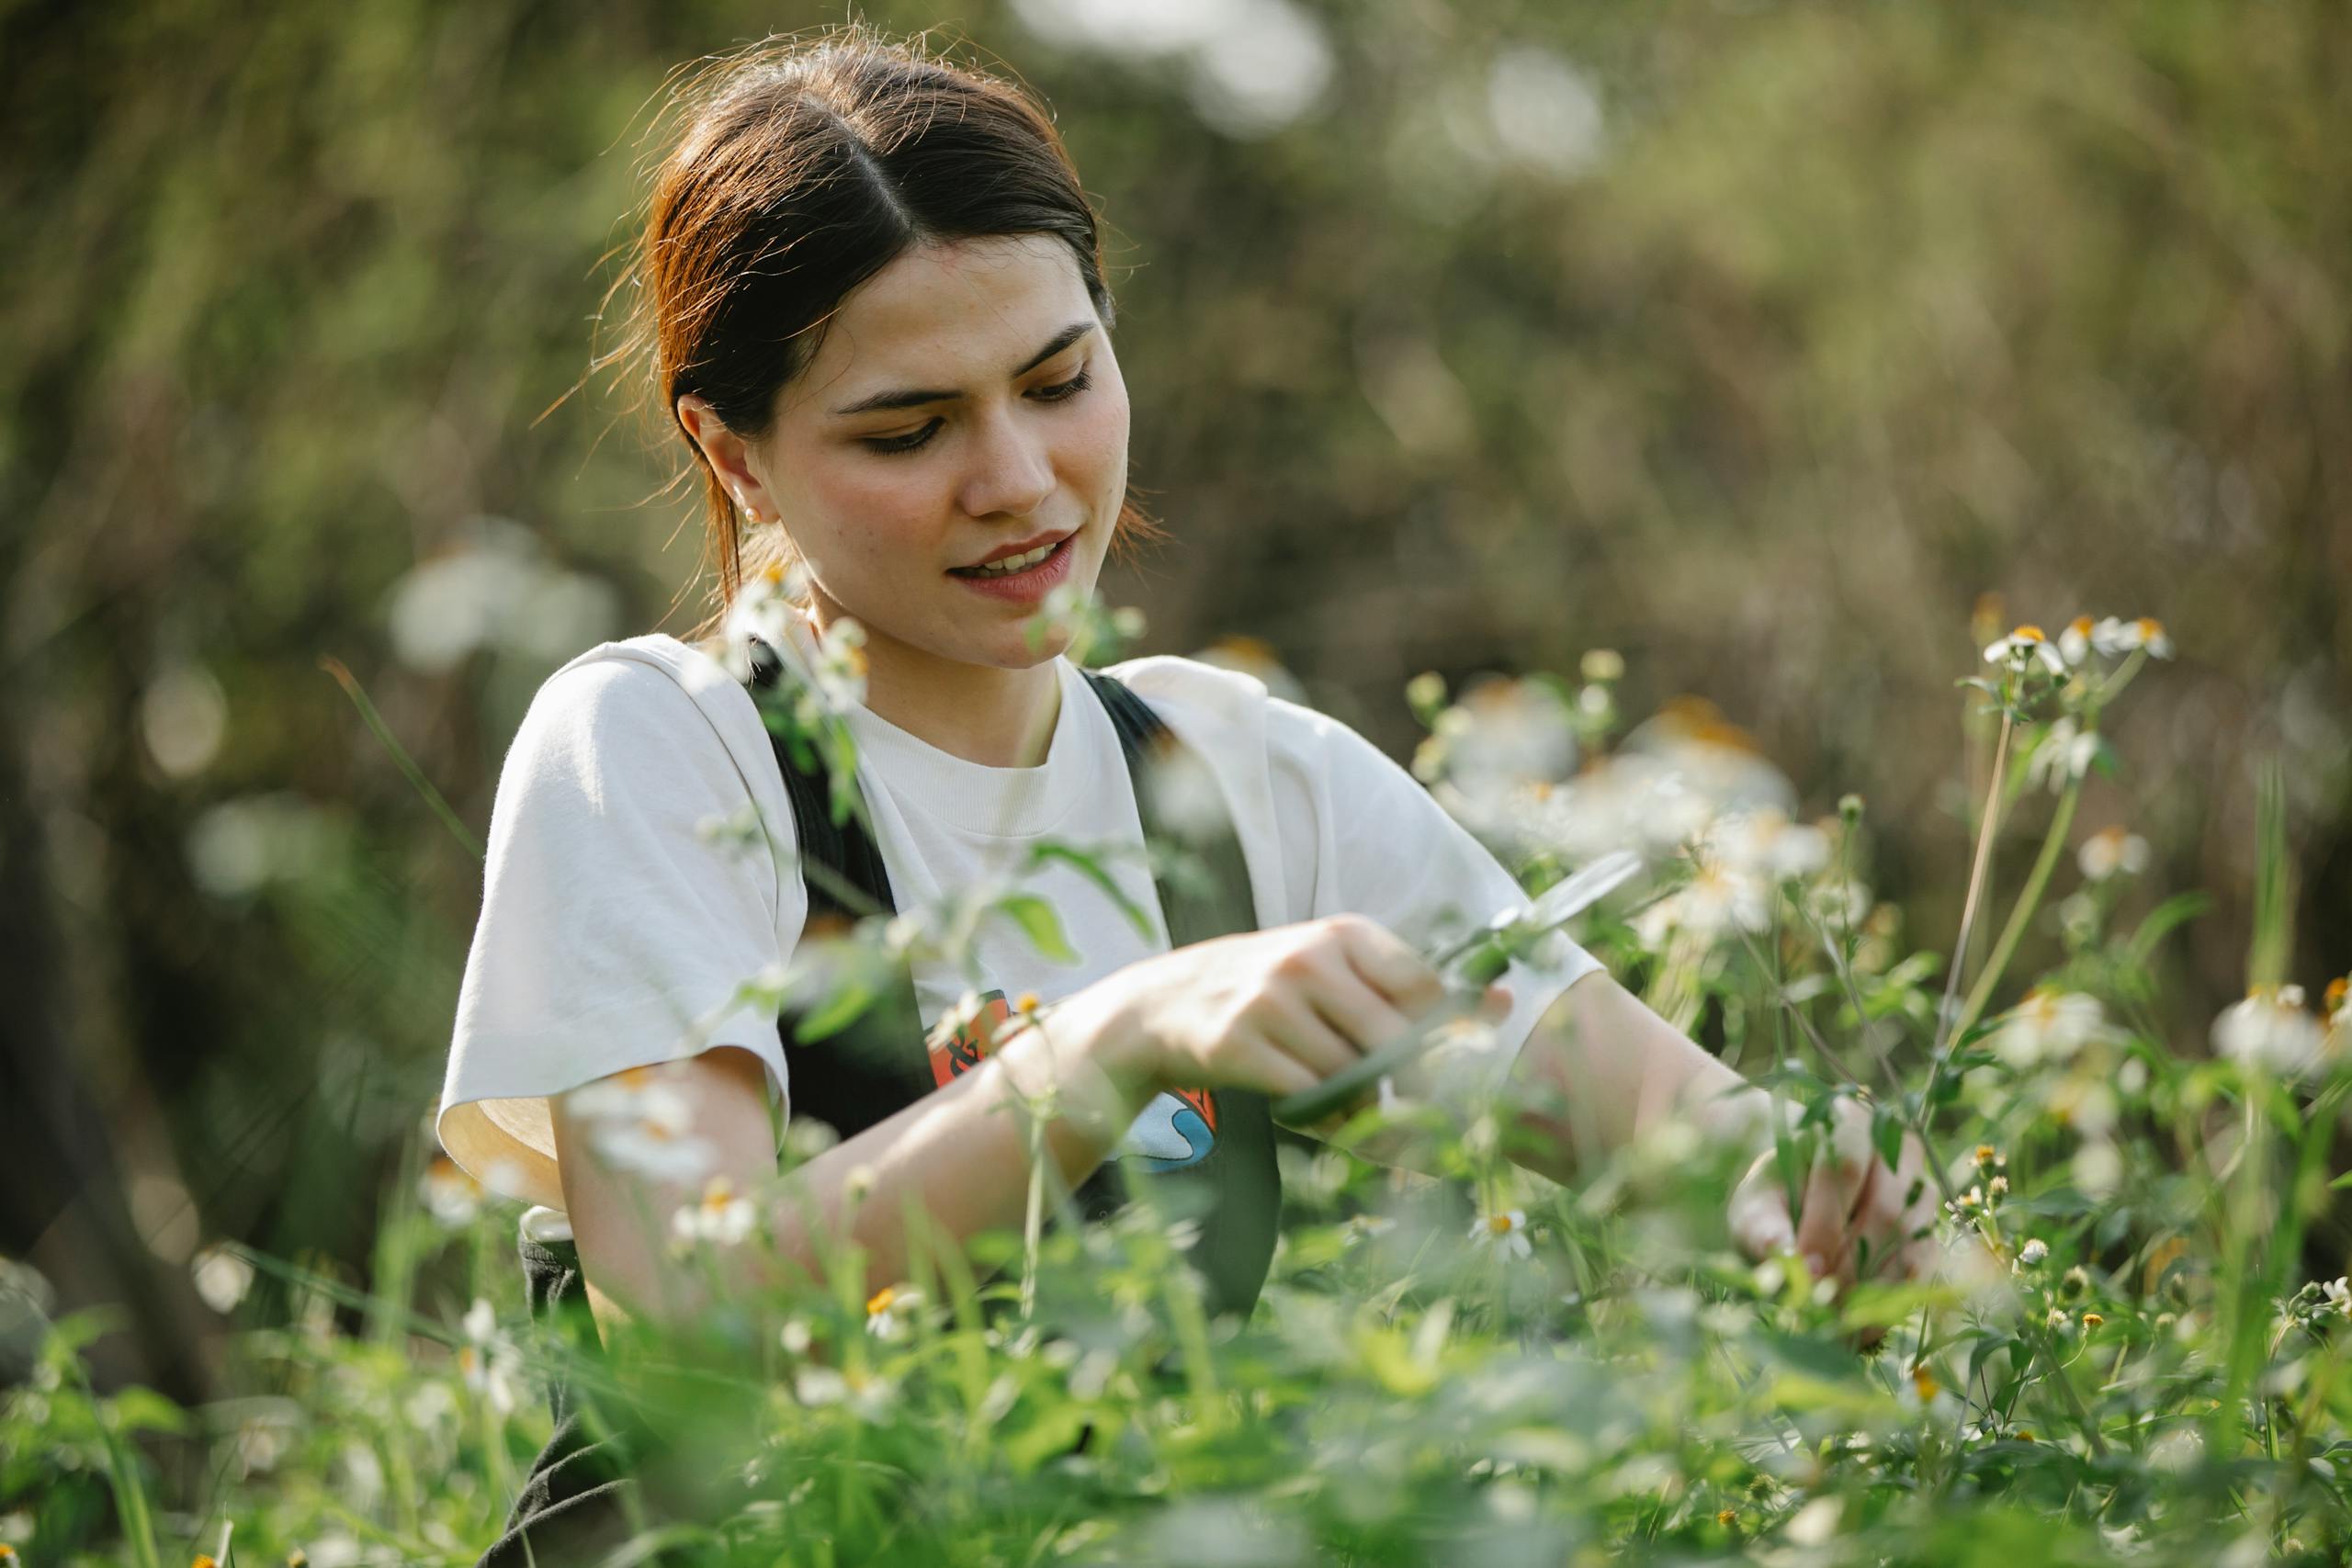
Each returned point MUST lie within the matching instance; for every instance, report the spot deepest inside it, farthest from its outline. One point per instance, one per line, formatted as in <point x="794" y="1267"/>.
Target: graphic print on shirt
<point x="1176" y="1129"/>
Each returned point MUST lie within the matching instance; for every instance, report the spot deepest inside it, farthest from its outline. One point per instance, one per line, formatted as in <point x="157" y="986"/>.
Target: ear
<point x="729" y="457"/>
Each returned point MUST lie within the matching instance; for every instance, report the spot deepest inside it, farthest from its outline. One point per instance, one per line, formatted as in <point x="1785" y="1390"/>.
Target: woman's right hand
<point x="1276" y="1010"/>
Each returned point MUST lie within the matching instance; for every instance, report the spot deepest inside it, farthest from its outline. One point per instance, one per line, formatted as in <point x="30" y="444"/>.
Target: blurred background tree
<point x="1791" y="349"/>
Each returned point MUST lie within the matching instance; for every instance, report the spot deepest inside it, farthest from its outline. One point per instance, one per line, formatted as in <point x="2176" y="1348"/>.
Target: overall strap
<point x="879" y="1064"/>
<point x="867" y="1072"/>
<point x="1237" y="1189"/>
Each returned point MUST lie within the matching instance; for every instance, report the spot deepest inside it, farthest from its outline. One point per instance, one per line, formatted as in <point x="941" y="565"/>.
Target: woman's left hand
<point x="1857" y="1218"/>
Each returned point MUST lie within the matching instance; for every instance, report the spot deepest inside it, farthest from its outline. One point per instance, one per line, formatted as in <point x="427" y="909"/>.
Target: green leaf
<point x="1093" y="870"/>
<point x="2179" y="909"/>
<point x="1053" y="1434"/>
<point x="1825" y="1359"/>
<point x="142" y="1409"/>
<point x="847" y="1001"/>
<point x="1886" y="1137"/>
<point x="1039" y="923"/>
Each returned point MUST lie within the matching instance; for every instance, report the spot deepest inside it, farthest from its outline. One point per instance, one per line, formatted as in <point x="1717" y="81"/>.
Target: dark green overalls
<point x="570" y="1508"/>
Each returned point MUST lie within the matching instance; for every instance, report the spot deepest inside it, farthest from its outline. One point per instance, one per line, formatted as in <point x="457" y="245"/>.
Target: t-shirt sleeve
<point x="1360" y="834"/>
<point x="629" y="891"/>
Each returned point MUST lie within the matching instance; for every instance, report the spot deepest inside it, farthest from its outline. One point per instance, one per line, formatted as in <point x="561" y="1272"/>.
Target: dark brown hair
<point x="799" y="167"/>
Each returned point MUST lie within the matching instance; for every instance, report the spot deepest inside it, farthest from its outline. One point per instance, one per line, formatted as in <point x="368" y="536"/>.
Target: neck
<point x="981" y="713"/>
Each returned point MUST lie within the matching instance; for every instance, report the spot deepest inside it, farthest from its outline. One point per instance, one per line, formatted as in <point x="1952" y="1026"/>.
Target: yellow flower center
<point x="2080" y="625"/>
<point x="1925" y="1382"/>
<point x="880" y="1302"/>
<point x="1498" y="1223"/>
<point x="2028" y="634"/>
<point x="2336" y="992"/>
<point x="718" y="1194"/>
<point x="2149" y="627"/>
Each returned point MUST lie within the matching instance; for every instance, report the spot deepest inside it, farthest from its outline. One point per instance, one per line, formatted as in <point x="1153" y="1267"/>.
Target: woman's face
<point x="963" y="400"/>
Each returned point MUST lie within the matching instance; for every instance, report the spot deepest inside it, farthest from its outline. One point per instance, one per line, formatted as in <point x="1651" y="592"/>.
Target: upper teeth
<point x="1017" y="563"/>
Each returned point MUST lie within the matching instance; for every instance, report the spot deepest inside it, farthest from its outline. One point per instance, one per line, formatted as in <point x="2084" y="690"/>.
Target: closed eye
<point x="1059" y="392"/>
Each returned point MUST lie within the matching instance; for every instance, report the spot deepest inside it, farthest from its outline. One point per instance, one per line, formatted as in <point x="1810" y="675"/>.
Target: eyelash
<point x="1060" y="392"/>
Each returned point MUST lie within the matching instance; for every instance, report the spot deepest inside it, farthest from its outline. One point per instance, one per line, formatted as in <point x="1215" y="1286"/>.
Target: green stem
<point x="415" y="775"/>
<point x="1944" y="1031"/>
<point x="2028" y="900"/>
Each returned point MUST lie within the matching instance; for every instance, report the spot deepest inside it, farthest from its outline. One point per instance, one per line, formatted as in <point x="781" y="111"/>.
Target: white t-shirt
<point x="616" y="923"/>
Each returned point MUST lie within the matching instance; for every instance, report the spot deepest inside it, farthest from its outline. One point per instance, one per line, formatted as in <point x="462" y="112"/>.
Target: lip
<point x="1022" y="549"/>
<point x="1027" y="587"/>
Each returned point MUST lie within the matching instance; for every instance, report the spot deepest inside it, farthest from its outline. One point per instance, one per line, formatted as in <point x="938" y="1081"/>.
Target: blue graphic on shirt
<point x="1171" y="1134"/>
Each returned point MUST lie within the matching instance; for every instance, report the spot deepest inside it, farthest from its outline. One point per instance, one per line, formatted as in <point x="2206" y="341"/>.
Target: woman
<point x="871" y="291"/>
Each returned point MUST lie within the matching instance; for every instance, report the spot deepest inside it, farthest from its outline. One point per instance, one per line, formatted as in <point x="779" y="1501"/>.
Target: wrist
<point x="1741" y="1115"/>
<point x="1074" y="1055"/>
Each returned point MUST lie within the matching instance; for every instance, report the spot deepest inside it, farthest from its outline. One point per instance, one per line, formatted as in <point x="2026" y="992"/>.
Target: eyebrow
<point x="1055" y="344"/>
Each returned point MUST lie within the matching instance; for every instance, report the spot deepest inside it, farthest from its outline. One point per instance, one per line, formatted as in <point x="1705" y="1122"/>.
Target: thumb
<point x="1758" y="1214"/>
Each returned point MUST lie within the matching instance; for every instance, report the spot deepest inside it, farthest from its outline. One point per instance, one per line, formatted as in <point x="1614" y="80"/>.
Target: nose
<point x="1013" y="471"/>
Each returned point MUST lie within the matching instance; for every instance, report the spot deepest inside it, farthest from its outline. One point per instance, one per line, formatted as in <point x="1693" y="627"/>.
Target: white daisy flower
<point x="2111" y="849"/>
<point x="840" y="667"/>
<point x="890" y="1309"/>
<point x="2048" y="1025"/>
<point x="2271" y="1027"/>
<point x="2064" y="755"/>
<point x="2113" y="637"/>
<point x="762" y="610"/>
<point x="1765" y="842"/>
<point x="2033" y="1253"/>
<point x="1718" y="900"/>
<point x="2022" y="648"/>
<point x="486" y="1360"/>
<point x="449" y="1194"/>
<point x="1506" y="1231"/>
<point x="221" y="1278"/>
<point x="721" y="1215"/>
<point x="2339" y="1296"/>
<point x="644" y="1124"/>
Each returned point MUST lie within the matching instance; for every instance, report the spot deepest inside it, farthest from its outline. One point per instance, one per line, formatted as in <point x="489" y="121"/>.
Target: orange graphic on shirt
<point x="1201" y="1100"/>
<point x="962" y="1050"/>
<point x="959" y="1052"/>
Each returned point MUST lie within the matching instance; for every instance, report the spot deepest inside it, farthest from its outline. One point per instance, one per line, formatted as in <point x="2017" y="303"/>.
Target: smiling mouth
<point x="1013" y="565"/>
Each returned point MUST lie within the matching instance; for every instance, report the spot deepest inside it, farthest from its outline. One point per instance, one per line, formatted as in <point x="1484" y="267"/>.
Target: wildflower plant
<point x="2118" y="1355"/>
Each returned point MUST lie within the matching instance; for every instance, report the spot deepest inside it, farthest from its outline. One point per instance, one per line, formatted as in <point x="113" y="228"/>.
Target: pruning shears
<point x="1468" y="967"/>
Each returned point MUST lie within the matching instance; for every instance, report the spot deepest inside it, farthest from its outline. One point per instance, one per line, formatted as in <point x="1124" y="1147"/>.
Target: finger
<point x="1495" y="1005"/>
<point x="1894" y="1206"/>
<point x="1291" y="1022"/>
<point x="1922" y="1254"/>
<point x="1760" y="1226"/>
<point x="1850" y="1161"/>
<point x="1380" y="956"/>
<point x="1262" y="1064"/>
<point x="1357" y="1013"/>
<point x="1821" y="1217"/>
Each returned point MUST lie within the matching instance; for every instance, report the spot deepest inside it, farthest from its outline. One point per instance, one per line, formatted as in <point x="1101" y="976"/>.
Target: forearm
<point x="959" y="1155"/>
<point x="1600" y="1070"/>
